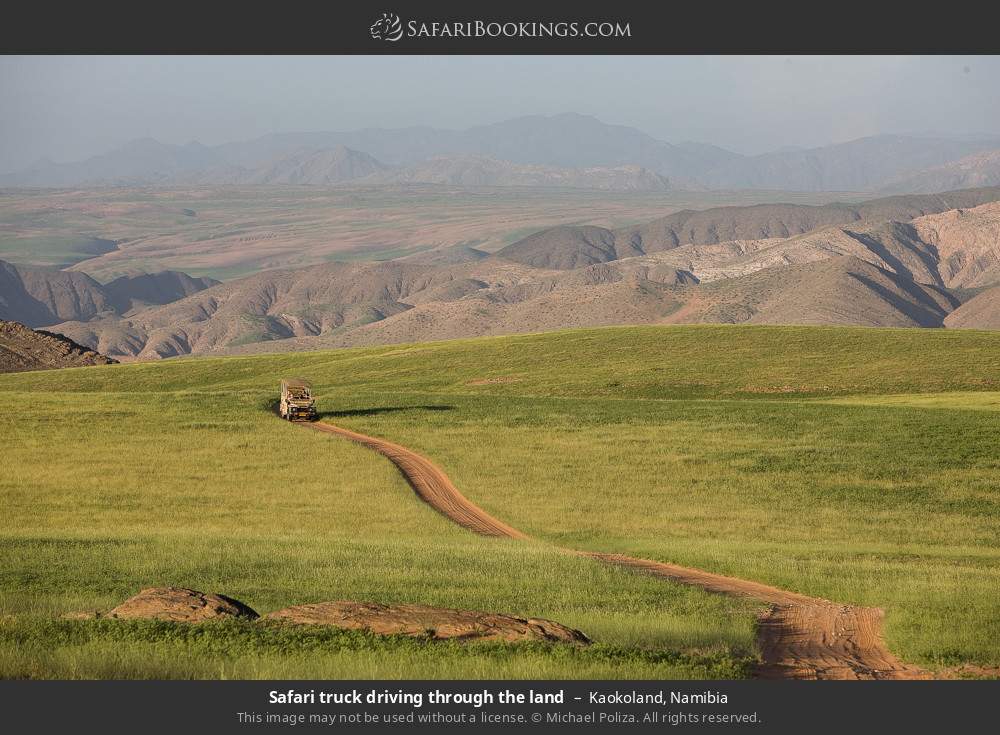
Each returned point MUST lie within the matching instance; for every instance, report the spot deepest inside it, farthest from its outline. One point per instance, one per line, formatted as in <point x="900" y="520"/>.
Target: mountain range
<point x="561" y="150"/>
<point x="903" y="261"/>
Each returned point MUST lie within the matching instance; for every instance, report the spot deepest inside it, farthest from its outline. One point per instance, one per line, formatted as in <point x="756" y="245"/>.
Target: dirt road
<point x="430" y="484"/>
<point x="800" y="637"/>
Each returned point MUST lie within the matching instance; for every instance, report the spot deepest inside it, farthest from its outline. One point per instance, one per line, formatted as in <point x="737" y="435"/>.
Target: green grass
<point x="51" y="250"/>
<point x="117" y="649"/>
<point x="858" y="465"/>
<point x="213" y="492"/>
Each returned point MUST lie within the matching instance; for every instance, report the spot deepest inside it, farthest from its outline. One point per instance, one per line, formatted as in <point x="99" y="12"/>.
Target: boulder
<point x="426" y="621"/>
<point x="180" y="604"/>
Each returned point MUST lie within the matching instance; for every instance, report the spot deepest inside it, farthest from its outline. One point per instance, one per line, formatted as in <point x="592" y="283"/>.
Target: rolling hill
<point x="567" y="247"/>
<point x="268" y="306"/>
<point x="569" y="244"/>
<point x="907" y="261"/>
<point x="41" y="297"/>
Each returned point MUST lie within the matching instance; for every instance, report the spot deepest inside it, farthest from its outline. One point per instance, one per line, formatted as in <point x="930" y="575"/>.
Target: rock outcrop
<point x="426" y="621"/>
<point x="23" y="348"/>
<point x="180" y="604"/>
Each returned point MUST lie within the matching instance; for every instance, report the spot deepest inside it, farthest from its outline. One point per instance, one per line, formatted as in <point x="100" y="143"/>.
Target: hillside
<point x="568" y="247"/>
<point x="967" y="243"/>
<point x="41" y="297"/>
<point x="871" y="272"/>
<point x="979" y="169"/>
<point x="768" y="220"/>
<point x="128" y="293"/>
<point x="839" y="290"/>
<point x="980" y="312"/>
<point x="23" y="349"/>
<point x="267" y="306"/>
<point x="727" y="224"/>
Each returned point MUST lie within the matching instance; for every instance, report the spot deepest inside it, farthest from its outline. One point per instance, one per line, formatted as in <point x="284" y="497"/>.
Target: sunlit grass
<point x="851" y="464"/>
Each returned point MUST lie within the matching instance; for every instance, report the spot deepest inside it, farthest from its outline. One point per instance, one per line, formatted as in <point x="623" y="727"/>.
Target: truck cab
<point x="297" y="402"/>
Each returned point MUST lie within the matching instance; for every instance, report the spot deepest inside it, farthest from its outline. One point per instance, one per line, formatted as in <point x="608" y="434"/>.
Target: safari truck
<point x="297" y="402"/>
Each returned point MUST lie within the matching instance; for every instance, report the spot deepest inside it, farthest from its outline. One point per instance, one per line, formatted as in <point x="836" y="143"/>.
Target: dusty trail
<point x="430" y="484"/>
<point x="800" y="637"/>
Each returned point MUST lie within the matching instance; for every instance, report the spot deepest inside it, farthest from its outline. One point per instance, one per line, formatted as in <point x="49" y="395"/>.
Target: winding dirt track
<point x="430" y="484"/>
<point x="800" y="637"/>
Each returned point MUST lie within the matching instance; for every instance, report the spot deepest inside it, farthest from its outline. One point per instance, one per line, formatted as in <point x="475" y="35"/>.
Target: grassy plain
<point x="858" y="465"/>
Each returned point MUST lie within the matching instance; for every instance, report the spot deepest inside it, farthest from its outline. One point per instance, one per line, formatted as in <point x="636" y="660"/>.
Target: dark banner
<point x="438" y="27"/>
<point x="498" y="706"/>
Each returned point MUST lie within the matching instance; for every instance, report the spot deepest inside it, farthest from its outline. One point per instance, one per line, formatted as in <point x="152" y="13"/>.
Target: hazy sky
<point x="68" y="107"/>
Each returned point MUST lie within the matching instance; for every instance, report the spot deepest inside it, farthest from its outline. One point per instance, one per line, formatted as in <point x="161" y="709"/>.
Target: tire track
<point x="800" y="637"/>
<point x="430" y="484"/>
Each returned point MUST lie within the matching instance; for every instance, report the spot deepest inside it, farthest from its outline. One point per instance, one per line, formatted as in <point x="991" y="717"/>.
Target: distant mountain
<point x="866" y="164"/>
<point x="568" y="246"/>
<point x="22" y="348"/>
<point x="550" y="148"/>
<point x="316" y="168"/>
<point x="568" y="140"/>
<point x="41" y="297"/>
<point x="574" y="140"/>
<point x="979" y="169"/>
<point x="141" y="162"/>
<point x="325" y="167"/>
<point x="485" y="171"/>
<point x="562" y="141"/>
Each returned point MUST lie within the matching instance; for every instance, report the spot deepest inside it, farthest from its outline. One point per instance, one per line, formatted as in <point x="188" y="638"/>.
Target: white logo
<point x="387" y="28"/>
